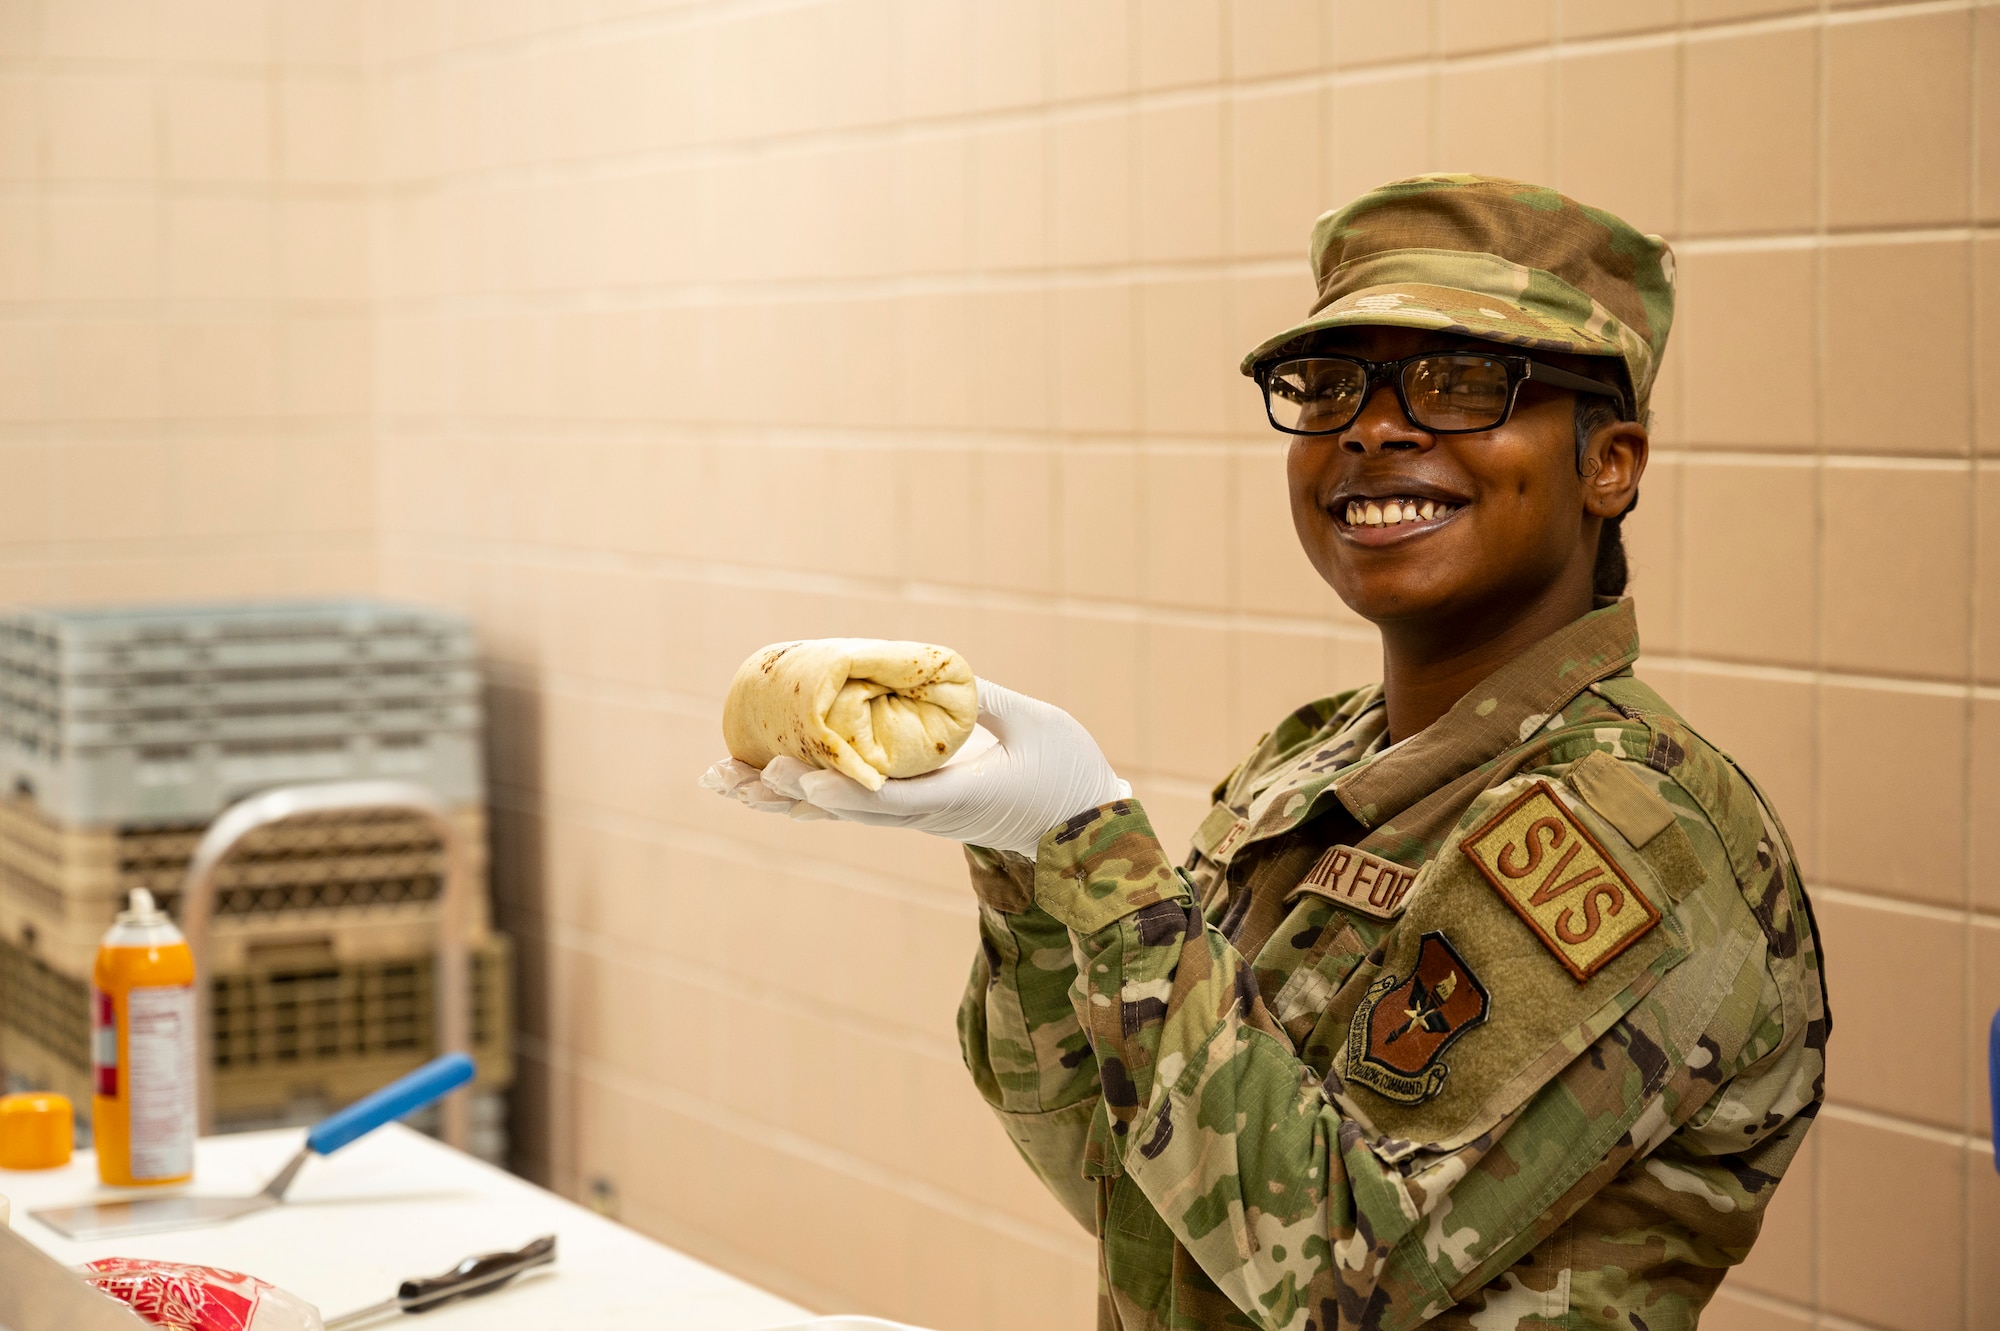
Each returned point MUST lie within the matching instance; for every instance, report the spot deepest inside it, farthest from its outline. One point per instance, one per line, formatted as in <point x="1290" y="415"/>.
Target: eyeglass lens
<point x="1321" y="395"/>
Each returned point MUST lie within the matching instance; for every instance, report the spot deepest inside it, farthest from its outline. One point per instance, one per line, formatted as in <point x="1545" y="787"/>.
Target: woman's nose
<point x="1382" y="426"/>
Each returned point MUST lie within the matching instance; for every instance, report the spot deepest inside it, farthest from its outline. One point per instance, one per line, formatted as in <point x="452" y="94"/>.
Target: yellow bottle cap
<point x="37" y="1130"/>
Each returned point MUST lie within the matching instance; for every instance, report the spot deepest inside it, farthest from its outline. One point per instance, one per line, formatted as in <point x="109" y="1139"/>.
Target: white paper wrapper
<point x="200" y="1298"/>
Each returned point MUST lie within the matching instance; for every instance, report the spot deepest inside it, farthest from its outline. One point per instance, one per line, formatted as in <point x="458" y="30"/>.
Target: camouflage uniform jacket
<point x="1514" y="1024"/>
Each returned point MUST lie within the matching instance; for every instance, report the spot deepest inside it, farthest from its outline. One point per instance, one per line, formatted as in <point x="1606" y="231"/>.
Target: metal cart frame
<point x="452" y="996"/>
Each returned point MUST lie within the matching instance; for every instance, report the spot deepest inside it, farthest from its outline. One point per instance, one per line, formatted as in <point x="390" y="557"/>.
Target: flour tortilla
<point x="866" y="707"/>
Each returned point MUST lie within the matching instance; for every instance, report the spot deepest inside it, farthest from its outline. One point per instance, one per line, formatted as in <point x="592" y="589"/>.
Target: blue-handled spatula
<point x="157" y="1215"/>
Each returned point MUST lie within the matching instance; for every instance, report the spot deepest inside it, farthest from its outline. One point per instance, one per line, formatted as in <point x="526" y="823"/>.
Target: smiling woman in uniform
<point x="1488" y="995"/>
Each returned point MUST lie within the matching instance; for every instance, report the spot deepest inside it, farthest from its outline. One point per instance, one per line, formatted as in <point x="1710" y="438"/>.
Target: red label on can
<point x="103" y="1043"/>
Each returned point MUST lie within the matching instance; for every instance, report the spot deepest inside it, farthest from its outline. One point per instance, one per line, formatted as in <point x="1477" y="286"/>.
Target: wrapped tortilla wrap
<point x="866" y="707"/>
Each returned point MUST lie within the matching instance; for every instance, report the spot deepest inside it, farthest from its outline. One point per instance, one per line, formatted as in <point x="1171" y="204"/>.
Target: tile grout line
<point x="1854" y="1114"/>
<point x="1067" y="605"/>
<point x="713" y="293"/>
<point x="600" y="32"/>
<point x="1138" y="101"/>
<point x="1968" y="844"/>
<point x="1865" y="899"/>
<point x="1815" y="783"/>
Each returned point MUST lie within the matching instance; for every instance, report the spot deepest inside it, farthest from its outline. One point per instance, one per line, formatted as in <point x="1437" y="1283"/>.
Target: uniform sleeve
<point x="1290" y="1207"/>
<point x="1715" y="1177"/>
<point x="1019" y="1032"/>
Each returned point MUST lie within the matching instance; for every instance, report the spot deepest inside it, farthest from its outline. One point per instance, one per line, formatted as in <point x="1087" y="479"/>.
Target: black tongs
<point x="474" y="1275"/>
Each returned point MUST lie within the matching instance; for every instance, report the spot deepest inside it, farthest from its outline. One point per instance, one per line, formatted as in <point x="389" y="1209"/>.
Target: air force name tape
<point x="1561" y="881"/>
<point x="1359" y="881"/>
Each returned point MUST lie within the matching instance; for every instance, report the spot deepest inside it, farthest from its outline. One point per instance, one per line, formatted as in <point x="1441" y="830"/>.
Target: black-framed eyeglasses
<point x="1443" y="392"/>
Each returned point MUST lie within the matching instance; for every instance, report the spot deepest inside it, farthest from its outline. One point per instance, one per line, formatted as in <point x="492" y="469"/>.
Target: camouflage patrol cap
<point x="1492" y="258"/>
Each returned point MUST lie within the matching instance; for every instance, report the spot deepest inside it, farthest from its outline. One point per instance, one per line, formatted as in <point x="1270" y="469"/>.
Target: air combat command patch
<point x="1561" y="881"/>
<point x="1403" y="1026"/>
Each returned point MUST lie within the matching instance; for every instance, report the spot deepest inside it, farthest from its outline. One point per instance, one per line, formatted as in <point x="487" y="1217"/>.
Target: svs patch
<point x="1403" y="1026"/>
<point x="1557" y="877"/>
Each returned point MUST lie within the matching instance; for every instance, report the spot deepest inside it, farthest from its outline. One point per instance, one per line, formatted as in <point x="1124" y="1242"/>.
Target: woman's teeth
<point x="1389" y="512"/>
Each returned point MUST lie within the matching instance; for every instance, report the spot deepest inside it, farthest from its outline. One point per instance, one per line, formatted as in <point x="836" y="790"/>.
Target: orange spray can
<point x="143" y="1049"/>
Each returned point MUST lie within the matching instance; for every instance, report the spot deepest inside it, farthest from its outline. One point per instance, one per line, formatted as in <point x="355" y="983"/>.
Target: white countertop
<point x="397" y="1204"/>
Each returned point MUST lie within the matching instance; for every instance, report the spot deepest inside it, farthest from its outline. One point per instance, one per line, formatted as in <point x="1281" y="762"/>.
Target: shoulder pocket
<point x="1215" y="839"/>
<point x="1623" y="797"/>
<point x="1328" y="949"/>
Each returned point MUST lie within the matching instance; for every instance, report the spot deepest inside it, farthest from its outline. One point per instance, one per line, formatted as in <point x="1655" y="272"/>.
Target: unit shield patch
<point x="1559" y="879"/>
<point x="1403" y="1026"/>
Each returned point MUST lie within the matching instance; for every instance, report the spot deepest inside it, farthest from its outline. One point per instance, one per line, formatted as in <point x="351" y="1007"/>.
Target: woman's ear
<point x="1613" y="462"/>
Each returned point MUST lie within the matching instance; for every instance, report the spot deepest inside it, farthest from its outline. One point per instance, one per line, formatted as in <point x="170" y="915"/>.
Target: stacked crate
<point x="123" y="733"/>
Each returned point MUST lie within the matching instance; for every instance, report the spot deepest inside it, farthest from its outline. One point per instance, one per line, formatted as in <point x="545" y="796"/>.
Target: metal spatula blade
<point x="158" y="1215"/>
<point x="146" y="1215"/>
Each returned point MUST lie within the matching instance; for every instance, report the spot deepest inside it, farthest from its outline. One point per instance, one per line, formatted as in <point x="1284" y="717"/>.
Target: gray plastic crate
<point x="162" y="713"/>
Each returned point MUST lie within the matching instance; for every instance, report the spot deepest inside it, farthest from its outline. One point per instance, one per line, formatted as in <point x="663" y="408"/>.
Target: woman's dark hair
<point x="1593" y="413"/>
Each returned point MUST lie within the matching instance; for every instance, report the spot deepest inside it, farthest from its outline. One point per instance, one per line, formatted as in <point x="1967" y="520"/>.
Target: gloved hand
<point x="1044" y="769"/>
<point x="735" y="779"/>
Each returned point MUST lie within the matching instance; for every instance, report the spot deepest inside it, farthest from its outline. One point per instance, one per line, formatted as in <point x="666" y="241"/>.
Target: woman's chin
<point x="1386" y="600"/>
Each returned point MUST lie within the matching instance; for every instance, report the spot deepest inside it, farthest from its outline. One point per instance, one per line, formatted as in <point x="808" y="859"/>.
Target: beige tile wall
<point x="184" y="283"/>
<point x="654" y="332"/>
<point x="707" y="325"/>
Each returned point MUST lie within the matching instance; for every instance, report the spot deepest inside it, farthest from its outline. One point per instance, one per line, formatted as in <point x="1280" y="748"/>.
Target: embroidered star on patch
<point x="1403" y="1026"/>
<point x="1561" y="881"/>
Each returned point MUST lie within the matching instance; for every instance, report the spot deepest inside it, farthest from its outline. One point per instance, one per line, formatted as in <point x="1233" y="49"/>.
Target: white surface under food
<point x="397" y="1204"/>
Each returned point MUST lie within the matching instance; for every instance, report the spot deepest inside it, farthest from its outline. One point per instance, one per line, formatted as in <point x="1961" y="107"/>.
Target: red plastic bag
<point x="200" y="1298"/>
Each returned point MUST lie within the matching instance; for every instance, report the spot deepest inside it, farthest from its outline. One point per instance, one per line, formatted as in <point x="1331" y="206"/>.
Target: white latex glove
<point x="1043" y="770"/>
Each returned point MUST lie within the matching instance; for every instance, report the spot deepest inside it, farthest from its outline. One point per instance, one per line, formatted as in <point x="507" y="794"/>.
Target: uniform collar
<point x="1499" y="714"/>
